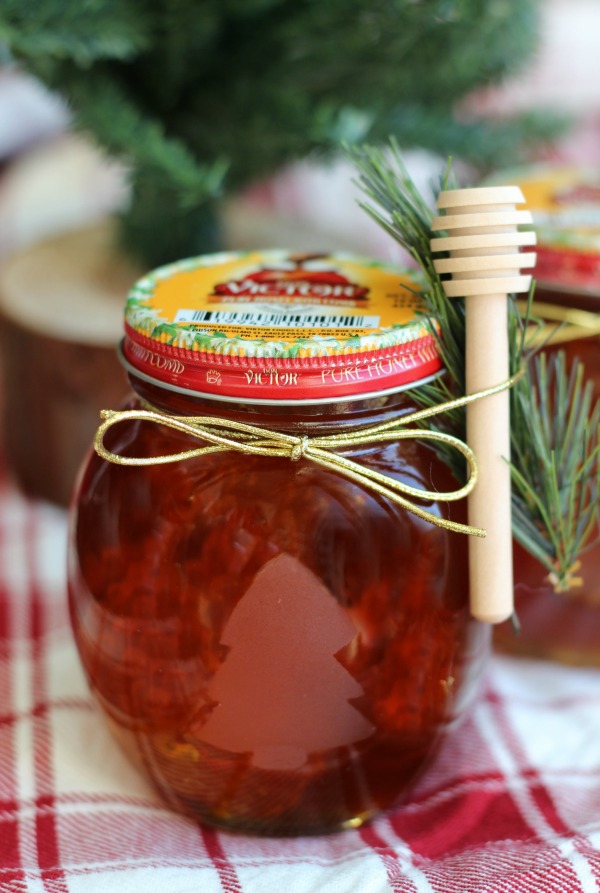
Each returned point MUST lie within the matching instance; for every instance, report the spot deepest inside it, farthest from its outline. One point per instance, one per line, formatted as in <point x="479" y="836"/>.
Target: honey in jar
<point x="278" y="646"/>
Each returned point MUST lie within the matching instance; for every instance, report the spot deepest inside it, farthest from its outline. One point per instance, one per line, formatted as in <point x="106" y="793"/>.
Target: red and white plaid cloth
<point x="512" y="804"/>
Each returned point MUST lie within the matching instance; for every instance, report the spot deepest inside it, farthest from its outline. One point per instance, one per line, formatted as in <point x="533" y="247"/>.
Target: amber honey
<point x="280" y="650"/>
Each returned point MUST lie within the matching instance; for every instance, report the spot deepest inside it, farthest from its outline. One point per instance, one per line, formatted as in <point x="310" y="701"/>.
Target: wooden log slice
<point x="61" y="318"/>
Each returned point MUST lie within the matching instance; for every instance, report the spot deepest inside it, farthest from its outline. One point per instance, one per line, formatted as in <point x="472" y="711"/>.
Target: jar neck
<point x="361" y="411"/>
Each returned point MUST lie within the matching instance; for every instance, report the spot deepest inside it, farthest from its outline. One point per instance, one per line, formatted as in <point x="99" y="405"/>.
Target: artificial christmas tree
<point x="200" y="99"/>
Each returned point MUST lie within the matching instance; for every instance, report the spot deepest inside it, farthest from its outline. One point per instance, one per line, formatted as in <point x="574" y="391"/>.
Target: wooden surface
<point x="61" y="311"/>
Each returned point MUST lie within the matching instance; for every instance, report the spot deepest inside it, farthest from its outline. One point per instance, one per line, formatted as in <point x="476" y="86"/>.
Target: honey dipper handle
<point x="485" y="266"/>
<point x="488" y="434"/>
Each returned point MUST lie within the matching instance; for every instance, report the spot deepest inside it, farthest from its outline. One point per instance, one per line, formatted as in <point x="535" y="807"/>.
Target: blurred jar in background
<point x="565" y="203"/>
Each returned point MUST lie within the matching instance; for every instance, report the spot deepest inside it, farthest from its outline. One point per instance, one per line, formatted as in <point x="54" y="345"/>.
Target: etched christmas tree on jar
<point x="264" y="690"/>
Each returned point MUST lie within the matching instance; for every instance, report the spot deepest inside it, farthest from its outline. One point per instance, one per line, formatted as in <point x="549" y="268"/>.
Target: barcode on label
<point x="277" y="320"/>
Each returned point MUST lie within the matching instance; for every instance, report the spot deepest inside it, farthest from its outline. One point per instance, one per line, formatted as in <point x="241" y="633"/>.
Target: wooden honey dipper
<point x="484" y="261"/>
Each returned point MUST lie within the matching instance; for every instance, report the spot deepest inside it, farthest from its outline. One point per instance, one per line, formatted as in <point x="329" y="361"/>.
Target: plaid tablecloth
<point x="512" y="804"/>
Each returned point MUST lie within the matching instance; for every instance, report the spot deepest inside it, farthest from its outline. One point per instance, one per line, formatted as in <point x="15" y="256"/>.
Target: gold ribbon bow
<point x="225" y="434"/>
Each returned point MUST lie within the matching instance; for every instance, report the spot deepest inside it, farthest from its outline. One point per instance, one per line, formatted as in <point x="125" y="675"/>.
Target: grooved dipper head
<point x="483" y="241"/>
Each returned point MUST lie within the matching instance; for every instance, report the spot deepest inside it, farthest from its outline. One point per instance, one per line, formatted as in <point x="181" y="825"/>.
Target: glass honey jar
<point x="275" y="641"/>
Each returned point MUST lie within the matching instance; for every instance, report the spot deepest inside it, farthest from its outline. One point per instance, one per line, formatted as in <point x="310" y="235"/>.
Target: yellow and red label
<point x="275" y="325"/>
<point x="565" y="205"/>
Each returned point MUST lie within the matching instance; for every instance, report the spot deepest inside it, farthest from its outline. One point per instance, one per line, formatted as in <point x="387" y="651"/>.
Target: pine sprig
<point x="557" y="479"/>
<point x="555" y="426"/>
<point x="395" y="204"/>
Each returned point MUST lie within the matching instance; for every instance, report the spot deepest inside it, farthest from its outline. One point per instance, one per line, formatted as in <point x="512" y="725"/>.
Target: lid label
<point x="155" y="360"/>
<point x="309" y="321"/>
<point x="271" y="378"/>
<point x="565" y="204"/>
<point x="254" y="290"/>
<point x="257" y="324"/>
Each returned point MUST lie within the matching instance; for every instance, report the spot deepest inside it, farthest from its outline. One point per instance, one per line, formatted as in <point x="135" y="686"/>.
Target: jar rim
<point x="174" y="388"/>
